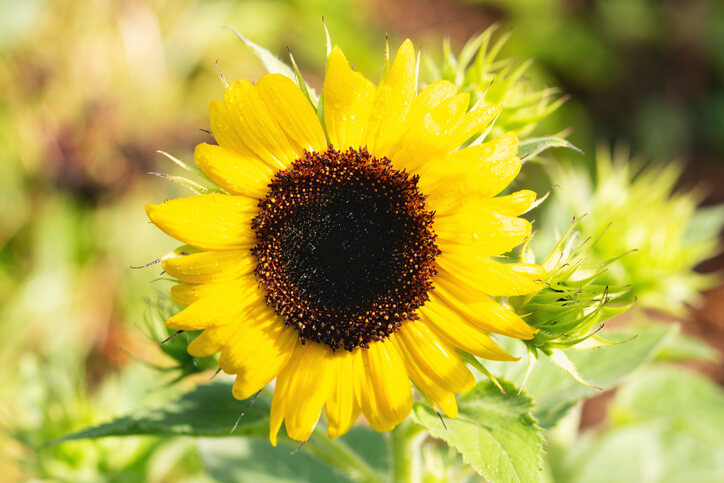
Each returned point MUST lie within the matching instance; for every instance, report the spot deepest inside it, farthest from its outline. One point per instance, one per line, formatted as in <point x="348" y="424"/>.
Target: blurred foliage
<point x="649" y="235"/>
<point x="662" y="426"/>
<point x="648" y="71"/>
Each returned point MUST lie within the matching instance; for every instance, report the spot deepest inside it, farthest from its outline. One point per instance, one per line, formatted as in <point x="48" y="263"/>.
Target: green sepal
<point x="560" y="359"/>
<point x="192" y="186"/>
<point x="187" y="183"/>
<point x="308" y="92"/>
<point x="475" y="362"/>
<point x="274" y="65"/>
<point x="573" y="304"/>
<point x="174" y="343"/>
<point x="188" y="167"/>
<point x="530" y="148"/>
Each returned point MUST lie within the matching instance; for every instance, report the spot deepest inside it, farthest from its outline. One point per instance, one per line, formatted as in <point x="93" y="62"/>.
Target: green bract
<point x="174" y="343"/>
<point x="491" y="80"/>
<point x="575" y="298"/>
<point x="638" y="212"/>
<point x="572" y="306"/>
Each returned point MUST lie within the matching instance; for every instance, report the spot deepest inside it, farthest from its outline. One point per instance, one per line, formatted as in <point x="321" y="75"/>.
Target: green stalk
<point x="405" y="440"/>
<point x="340" y="456"/>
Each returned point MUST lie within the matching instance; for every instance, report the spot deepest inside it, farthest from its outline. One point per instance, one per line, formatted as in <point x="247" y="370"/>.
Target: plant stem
<point x="406" y="439"/>
<point x="340" y="456"/>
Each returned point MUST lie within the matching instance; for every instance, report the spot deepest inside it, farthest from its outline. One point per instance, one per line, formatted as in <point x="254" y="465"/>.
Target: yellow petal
<point x="451" y="327"/>
<point x="428" y="98"/>
<point x="434" y="358"/>
<point x="213" y="339"/>
<point x="257" y="332"/>
<point x="493" y="278"/>
<point x="512" y="205"/>
<point x="223" y="306"/>
<point x="292" y="111"/>
<point x="341" y="406"/>
<point x="211" y="266"/>
<point x="392" y="102"/>
<point x="280" y="398"/>
<point x="387" y="398"/>
<point x="443" y="398"/>
<point x="444" y="129"/>
<point x="222" y="125"/>
<point x="474" y="122"/>
<point x="257" y="353"/>
<point x="235" y="173"/>
<point x="209" y="222"/>
<point x="309" y="387"/>
<point x="188" y="293"/>
<point x="479" y="309"/>
<point x="348" y="98"/>
<point x="484" y="169"/>
<point x="448" y="404"/>
<point x="256" y="127"/>
<point x="430" y="137"/>
<point x="490" y="233"/>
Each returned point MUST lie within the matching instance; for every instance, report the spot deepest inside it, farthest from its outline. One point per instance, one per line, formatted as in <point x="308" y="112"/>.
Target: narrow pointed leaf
<point x="531" y="148"/>
<point x="272" y="64"/>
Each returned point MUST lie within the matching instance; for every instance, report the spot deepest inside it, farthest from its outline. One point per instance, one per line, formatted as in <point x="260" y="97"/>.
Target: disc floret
<point x="345" y="247"/>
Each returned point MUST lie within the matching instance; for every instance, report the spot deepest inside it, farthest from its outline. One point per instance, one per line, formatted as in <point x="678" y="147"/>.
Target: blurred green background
<point x="90" y="89"/>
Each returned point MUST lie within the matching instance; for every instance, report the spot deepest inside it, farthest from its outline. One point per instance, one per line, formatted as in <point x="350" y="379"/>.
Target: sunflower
<point x="348" y="251"/>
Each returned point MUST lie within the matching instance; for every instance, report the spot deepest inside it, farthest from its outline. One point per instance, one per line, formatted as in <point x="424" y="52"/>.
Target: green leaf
<point x="208" y="410"/>
<point x="495" y="433"/>
<point x="555" y="391"/>
<point x="646" y="452"/>
<point x="371" y="446"/>
<point x="688" y="348"/>
<point x="531" y="148"/>
<point x="666" y="427"/>
<point x="706" y="223"/>
<point x="211" y="410"/>
<point x="257" y="461"/>
<point x="686" y="400"/>
<point x="243" y="459"/>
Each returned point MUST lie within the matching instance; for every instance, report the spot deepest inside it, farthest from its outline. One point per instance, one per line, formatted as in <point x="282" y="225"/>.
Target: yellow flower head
<point x="352" y="254"/>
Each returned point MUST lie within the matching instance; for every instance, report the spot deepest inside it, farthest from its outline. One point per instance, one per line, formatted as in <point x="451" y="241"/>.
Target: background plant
<point x="83" y="110"/>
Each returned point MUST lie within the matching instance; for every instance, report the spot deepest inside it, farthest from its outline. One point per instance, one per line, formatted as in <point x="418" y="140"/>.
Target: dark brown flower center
<point x="345" y="247"/>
